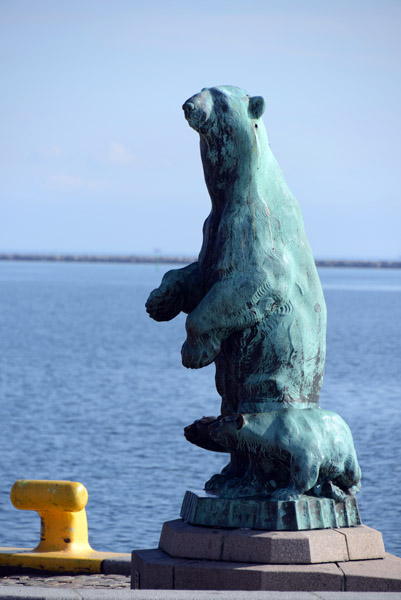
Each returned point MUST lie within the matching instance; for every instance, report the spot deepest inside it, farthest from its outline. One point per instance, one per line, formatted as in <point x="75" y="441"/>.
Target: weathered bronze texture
<point x="202" y="508"/>
<point x="256" y="309"/>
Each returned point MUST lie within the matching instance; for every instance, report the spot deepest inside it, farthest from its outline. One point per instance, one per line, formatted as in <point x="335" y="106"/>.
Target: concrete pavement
<point x="46" y="593"/>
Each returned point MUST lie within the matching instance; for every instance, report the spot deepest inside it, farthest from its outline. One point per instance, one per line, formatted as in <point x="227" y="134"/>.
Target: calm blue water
<point x="92" y="390"/>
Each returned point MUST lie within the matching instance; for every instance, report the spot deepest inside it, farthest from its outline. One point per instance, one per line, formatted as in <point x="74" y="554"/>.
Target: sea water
<point x="93" y="390"/>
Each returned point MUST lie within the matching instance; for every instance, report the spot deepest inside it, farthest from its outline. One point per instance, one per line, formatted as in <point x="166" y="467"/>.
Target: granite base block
<point x="117" y="566"/>
<point x="200" y="558"/>
<point x="154" y="569"/>
<point x="363" y="543"/>
<point x="180" y="539"/>
<point x="373" y="575"/>
<point x="201" y="508"/>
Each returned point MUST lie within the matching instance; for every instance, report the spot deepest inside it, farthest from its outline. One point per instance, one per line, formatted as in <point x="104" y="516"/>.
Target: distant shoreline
<point x="183" y="260"/>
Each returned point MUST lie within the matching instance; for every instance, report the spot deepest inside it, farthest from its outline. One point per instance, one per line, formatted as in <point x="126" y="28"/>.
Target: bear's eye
<point x="256" y="125"/>
<point x="222" y="105"/>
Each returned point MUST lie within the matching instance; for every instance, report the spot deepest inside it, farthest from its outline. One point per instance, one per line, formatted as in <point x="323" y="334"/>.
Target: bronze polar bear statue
<point x="314" y="447"/>
<point x="254" y="300"/>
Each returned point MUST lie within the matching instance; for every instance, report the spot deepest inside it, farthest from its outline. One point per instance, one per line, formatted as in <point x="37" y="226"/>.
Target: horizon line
<point x="175" y="259"/>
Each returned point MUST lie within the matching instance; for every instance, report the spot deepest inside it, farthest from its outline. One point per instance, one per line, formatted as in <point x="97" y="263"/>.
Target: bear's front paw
<point x="162" y="305"/>
<point x="219" y="482"/>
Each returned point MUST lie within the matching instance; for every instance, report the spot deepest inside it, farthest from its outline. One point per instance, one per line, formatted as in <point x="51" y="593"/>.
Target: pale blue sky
<point x="95" y="154"/>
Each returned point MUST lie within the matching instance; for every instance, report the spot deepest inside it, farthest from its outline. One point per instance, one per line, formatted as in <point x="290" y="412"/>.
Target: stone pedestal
<point x="201" y="558"/>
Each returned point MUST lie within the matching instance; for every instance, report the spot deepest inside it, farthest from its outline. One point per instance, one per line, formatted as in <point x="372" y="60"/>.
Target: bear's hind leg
<point x="230" y="475"/>
<point x="257" y="481"/>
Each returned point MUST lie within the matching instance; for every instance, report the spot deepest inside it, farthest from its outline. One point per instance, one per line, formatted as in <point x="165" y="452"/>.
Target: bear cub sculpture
<point x="313" y="446"/>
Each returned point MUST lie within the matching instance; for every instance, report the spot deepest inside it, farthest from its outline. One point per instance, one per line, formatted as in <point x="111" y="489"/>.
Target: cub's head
<point x="222" y="109"/>
<point x="225" y="430"/>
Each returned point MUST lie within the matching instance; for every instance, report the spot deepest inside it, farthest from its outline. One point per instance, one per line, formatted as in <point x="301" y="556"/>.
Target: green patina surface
<point x="201" y="508"/>
<point x="292" y="451"/>
<point x="256" y="309"/>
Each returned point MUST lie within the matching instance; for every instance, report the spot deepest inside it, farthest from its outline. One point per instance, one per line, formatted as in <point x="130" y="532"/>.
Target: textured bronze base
<point x="201" y="508"/>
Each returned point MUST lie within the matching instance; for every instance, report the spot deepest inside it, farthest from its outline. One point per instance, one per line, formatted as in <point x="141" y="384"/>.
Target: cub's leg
<point x="257" y="481"/>
<point x="304" y="473"/>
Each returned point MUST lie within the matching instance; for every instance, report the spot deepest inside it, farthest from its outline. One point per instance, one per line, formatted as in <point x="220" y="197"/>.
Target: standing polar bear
<point x="254" y="300"/>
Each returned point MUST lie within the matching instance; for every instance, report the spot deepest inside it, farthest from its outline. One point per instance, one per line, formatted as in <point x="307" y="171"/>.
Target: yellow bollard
<point x="64" y="545"/>
<point x="61" y="506"/>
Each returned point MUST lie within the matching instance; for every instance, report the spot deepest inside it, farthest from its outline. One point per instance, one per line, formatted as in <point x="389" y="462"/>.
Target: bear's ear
<point x="240" y="421"/>
<point x="256" y="107"/>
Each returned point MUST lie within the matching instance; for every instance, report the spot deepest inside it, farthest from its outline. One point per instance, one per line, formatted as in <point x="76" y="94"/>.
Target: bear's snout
<point x="197" y="110"/>
<point x="192" y="113"/>
<point x="188" y="108"/>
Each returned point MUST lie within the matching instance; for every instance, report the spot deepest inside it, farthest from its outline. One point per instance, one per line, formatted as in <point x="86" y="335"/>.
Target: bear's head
<point x="221" y="108"/>
<point x="228" y="122"/>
